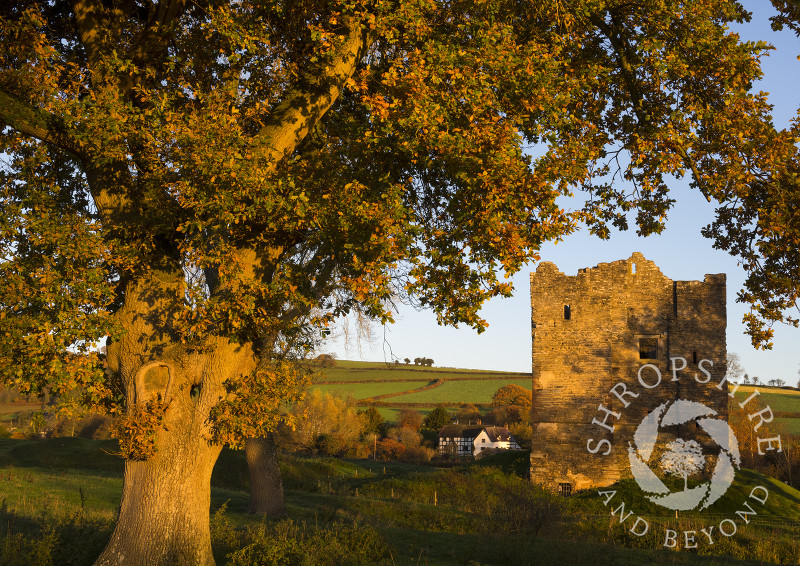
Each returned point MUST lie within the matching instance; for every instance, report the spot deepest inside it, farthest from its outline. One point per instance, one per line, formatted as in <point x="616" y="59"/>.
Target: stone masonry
<point x="597" y="329"/>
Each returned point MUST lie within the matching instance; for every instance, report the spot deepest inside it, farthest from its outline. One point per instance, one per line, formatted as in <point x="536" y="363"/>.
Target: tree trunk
<point x="266" y="487"/>
<point x="164" y="514"/>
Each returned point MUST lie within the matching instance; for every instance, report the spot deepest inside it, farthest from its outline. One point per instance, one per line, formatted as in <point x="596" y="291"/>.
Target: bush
<point x="389" y="449"/>
<point x="287" y="543"/>
<point x="326" y="360"/>
<point x="419" y="454"/>
<point x="526" y="509"/>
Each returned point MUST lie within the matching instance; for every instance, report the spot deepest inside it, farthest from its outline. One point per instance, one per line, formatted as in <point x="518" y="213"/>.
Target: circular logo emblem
<point x="683" y="458"/>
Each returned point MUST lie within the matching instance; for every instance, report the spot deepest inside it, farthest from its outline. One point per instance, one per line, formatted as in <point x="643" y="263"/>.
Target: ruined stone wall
<point x="588" y="333"/>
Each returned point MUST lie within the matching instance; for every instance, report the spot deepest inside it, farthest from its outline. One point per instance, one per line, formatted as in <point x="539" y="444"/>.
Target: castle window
<point x="567" y="312"/>
<point x="633" y="268"/>
<point x="565" y="489"/>
<point x="648" y="348"/>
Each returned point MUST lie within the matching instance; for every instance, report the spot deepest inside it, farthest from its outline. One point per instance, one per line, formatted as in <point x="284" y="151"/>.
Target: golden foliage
<point x="137" y="429"/>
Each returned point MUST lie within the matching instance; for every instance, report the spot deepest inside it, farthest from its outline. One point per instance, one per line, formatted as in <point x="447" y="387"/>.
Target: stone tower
<point x="596" y="330"/>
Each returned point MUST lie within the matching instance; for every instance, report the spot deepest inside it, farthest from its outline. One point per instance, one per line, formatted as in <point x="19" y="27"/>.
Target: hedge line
<point x="437" y="383"/>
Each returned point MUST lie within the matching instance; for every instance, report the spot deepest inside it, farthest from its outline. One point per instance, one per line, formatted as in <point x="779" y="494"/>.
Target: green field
<point x="464" y="386"/>
<point x="362" y="380"/>
<point x="376" y="371"/>
<point x="364" y="390"/>
<point x="779" y="400"/>
<point x="476" y="392"/>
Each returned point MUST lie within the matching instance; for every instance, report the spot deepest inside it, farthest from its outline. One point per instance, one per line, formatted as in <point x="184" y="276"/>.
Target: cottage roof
<point x="460" y="431"/>
<point x="451" y="430"/>
<point x="495" y="433"/>
<point x="498" y="433"/>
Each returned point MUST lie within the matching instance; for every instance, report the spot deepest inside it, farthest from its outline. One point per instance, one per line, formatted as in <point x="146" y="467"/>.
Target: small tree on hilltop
<point x="735" y="370"/>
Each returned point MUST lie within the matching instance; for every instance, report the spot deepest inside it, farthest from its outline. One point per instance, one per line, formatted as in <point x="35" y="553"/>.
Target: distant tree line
<point x="421" y="361"/>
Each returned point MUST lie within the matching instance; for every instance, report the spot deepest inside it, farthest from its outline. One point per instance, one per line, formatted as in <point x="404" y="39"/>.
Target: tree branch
<point x="292" y="119"/>
<point x="154" y="40"/>
<point x="88" y="16"/>
<point x="37" y="123"/>
<point x="622" y="50"/>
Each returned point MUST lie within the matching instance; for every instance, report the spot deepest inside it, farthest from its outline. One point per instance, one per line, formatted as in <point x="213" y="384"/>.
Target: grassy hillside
<point x="785" y="404"/>
<point x="58" y="510"/>
<point x="346" y="370"/>
<point x="473" y="391"/>
<point x="372" y="382"/>
<point x="372" y="388"/>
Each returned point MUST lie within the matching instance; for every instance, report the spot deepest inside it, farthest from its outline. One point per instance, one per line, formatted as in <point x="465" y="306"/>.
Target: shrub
<point x="389" y="449"/>
<point x="419" y="454"/>
<point x="287" y="543"/>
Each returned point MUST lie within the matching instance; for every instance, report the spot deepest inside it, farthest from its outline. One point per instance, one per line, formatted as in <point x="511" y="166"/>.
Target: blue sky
<point x="680" y="251"/>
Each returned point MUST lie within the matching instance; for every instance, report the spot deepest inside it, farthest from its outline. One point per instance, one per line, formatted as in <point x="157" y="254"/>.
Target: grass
<point x="376" y="371"/>
<point x="363" y="380"/>
<point x="477" y="392"/>
<point x="57" y="510"/>
<point x="392" y="414"/>
<point x="780" y="400"/>
<point x="365" y="390"/>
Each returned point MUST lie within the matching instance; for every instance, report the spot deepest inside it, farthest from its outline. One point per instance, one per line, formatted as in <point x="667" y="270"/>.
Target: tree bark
<point x="164" y="514"/>
<point x="266" y="487"/>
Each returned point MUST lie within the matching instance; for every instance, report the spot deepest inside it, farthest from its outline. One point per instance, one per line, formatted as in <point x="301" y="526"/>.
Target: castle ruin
<point x="597" y="329"/>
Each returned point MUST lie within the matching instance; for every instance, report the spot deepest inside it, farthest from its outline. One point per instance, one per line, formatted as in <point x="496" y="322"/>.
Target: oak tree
<point x="512" y="394"/>
<point x="209" y="184"/>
